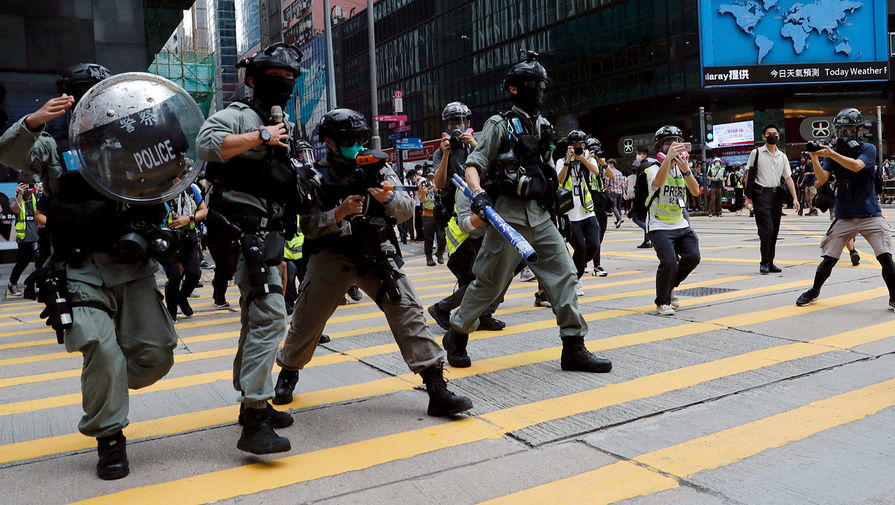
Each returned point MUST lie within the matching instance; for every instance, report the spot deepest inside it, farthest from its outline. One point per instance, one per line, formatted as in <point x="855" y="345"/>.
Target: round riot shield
<point x="134" y="137"/>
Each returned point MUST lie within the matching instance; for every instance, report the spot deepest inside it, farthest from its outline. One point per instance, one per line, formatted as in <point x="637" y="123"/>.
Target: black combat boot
<point x="277" y="419"/>
<point x="454" y="344"/>
<point x="258" y="436"/>
<point x="442" y="317"/>
<point x="112" y="457"/>
<point x="576" y="357"/>
<point x="442" y="402"/>
<point x="286" y="382"/>
<point x="488" y="323"/>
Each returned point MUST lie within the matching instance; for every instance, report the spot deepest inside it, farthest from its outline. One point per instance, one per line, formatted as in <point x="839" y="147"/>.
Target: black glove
<point x="480" y="200"/>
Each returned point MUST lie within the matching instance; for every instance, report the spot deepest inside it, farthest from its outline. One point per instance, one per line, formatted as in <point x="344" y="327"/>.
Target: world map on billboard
<point x="829" y="29"/>
<point x="738" y="34"/>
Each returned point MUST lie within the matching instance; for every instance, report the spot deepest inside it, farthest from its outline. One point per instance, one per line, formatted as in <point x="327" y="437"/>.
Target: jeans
<point x="616" y="200"/>
<point x="678" y="252"/>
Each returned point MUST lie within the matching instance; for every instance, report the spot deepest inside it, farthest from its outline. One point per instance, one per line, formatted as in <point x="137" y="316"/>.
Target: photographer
<point x="857" y="210"/>
<point x="431" y="230"/>
<point x="673" y="239"/>
<point x="349" y="235"/>
<point x="574" y="173"/>
<point x="184" y="213"/>
<point x="598" y="187"/>
<point x="457" y="142"/>
<point x="638" y="199"/>
<point x="25" y="209"/>
<point x="768" y="167"/>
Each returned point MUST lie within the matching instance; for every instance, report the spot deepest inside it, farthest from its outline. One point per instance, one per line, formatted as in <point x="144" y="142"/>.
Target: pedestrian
<point x="674" y="241"/>
<point x="247" y="155"/>
<point x="118" y="322"/>
<point x="185" y="211"/>
<point x="616" y="190"/>
<point x="574" y="173"/>
<point x="642" y="161"/>
<point x="347" y="249"/>
<point x="417" y="180"/>
<point x="25" y="209"/>
<point x="524" y="135"/>
<point x="715" y="177"/>
<point x="808" y="182"/>
<point x="857" y="208"/>
<point x="768" y="170"/>
<point x="738" y="183"/>
<point x="601" y="198"/>
<point x="433" y="233"/>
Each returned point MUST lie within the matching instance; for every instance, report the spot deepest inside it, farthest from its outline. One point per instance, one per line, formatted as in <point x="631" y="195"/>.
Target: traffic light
<point x="709" y="130"/>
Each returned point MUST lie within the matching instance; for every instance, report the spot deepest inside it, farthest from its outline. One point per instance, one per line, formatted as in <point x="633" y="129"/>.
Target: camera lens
<point x="578" y="150"/>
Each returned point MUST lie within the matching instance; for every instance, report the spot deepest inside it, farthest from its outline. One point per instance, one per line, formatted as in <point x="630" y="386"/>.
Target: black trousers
<point x="767" y="217"/>
<point x="224" y="255"/>
<point x="585" y="241"/>
<point x="294" y="269"/>
<point x="418" y="222"/>
<point x="678" y="252"/>
<point x="182" y="282"/>
<point x="602" y="220"/>
<point x="26" y="254"/>
<point x="433" y="234"/>
<point x="460" y="264"/>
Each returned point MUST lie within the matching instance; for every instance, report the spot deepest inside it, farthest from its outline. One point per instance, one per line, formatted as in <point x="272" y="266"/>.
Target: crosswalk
<point x="709" y="351"/>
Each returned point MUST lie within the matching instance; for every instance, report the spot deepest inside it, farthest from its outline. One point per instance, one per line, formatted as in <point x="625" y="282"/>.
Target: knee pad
<point x="885" y="261"/>
<point x="826" y="266"/>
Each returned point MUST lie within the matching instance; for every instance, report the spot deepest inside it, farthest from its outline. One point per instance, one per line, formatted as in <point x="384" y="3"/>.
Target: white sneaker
<point x="526" y="275"/>
<point x="675" y="301"/>
<point x="579" y="291"/>
<point x="665" y="310"/>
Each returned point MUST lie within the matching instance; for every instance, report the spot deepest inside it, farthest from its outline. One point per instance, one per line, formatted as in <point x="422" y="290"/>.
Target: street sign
<point x="387" y="119"/>
<point x="402" y="129"/>
<point x="399" y="93"/>
<point x="409" y="143"/>
<point x="395" y="137"/>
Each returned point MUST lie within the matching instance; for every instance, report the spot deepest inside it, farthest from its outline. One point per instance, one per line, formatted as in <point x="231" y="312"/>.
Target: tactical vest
<point x="22" y="222"/>
<point x="519" y="158"/>
<point x="666" y="206"/>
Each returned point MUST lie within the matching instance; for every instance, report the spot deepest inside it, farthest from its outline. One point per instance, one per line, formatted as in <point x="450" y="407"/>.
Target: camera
<point x="579" y="150"/>
<point x="815" y="146"/>
<point x="142" y="238"/>
<point x="454" y="138"/>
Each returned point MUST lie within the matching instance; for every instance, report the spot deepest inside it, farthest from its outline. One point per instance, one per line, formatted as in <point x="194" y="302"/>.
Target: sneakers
<point x="454" y="344"/>
<point x="488" y="323"/>
<point x="13" y="290"/>
<point x="258" y="436"/>
<point x="541" y="300"/>
<point x="763" y="269"/>
<point x="206" y="264"/>
<point x="579" y="291"/>
<point x="599" y="272"/>
<point x="665" y="310"/>
<point x="442" y="402"/>
<point x="526" y="275"/>
<point x="618" y="224"/>
<point x="222" y="305"/>
<point x="812" y="212"/>
<point x="286" y="381"/>
<point x="430" y="262"/>
<point x="442" y="317"/>
<point x="355" y="294"/>
<point x="855" y="257"/>
<point x="277" y="419"/>
<point x="112" y="462"/>
<point x="185" y="307"/>
<point x="440" y="258"/>
<point x="646" y="244"/>
<point x="576" y="357"/>
<point x="675" y="301"/>
<point x="892" y="303"/>
<point x="808" y="297"/>
<point x="324" y="339"/>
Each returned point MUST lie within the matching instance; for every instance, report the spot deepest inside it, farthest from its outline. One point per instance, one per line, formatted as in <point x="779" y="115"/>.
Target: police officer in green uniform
<point x="119" y="323"/>
<point x="252" y="199"/>
<point x="349" y="235"/>
<point x="511" y="142"/>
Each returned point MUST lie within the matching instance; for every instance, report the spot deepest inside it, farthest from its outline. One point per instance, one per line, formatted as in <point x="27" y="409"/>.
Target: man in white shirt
<point x="767" y="164"/>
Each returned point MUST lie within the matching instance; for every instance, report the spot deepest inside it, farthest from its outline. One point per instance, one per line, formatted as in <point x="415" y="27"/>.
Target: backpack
<point x="641" y="193"/>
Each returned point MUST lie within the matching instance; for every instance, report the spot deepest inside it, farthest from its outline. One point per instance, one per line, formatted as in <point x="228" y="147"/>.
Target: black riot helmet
<point x="77" y="79"/>
<point x="278" y="55"/>
<point x="847" y="122"/>
<point x="528" y="73"/>
<point x="348" y="130"/>
<point x="304" y="151"/>
<point x="577" y="136"/>
<point x="594" y="145"/>
<point x="667" y="132"/>
<point x="456" y="110"/>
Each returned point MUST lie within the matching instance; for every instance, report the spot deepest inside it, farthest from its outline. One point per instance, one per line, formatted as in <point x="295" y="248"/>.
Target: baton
<point x="513" y="237"/>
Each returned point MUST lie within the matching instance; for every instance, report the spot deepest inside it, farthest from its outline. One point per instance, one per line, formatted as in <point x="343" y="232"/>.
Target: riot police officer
<point x="512" y="160"/>
<point x="349" y="235"/>
<point x="252" y="203"/>
<point x="116" y="319"/>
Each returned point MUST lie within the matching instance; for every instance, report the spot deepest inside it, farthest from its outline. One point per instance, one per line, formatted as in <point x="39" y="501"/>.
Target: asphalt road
<point x="740" y="398"/>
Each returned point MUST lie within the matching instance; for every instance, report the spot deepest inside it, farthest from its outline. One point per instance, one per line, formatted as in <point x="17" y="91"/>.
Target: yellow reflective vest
<point x="22" y="222"/>
<point x="292" y="251"/>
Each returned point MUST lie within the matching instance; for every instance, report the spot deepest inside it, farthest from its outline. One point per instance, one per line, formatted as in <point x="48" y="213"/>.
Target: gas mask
<point x="455" y="129"/>
<point x="530" y="96"/>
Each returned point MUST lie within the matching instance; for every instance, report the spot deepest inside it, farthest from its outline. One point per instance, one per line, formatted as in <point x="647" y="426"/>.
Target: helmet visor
<point x="305" y="155"/>
<point x="846" y="131"/>
<point x="456" y="123"/>
<point x="534" y="84"/>
<point x="349" y="139"/>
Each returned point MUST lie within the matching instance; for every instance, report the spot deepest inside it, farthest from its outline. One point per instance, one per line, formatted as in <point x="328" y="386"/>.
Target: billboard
<point x="749" y="42"/>
<point x="310" y="94"/>
<point x="732" y="134"/>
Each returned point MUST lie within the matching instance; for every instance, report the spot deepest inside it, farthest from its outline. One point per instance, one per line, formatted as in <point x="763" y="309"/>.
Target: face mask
<point x="640" y="157"/>
<point x="350" y="153"/>
<point x="529" y="99"/>
<point x="273" y="90"/>
<point x="772" y="140"/>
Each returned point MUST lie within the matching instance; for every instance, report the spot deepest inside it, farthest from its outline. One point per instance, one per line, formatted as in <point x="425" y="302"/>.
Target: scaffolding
<point x="194" y="72"/>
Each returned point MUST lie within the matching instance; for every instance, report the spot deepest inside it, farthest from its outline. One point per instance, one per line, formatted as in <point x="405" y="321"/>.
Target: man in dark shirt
<point x="857" y="209"/>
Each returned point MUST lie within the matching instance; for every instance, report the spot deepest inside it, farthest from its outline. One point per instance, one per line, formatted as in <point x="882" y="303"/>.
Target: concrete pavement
<point x="740" y="398"/>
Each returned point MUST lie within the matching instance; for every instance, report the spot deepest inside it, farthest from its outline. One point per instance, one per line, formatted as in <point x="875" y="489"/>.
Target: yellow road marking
<point x="626" y="479"/>
<point x="727" y="366"/>
<point x="337" y="460"/>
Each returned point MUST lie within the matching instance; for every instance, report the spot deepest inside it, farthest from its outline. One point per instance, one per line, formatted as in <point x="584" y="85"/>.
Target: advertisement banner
<point x="761" y="42"/>
<point x="310" y="94"/>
